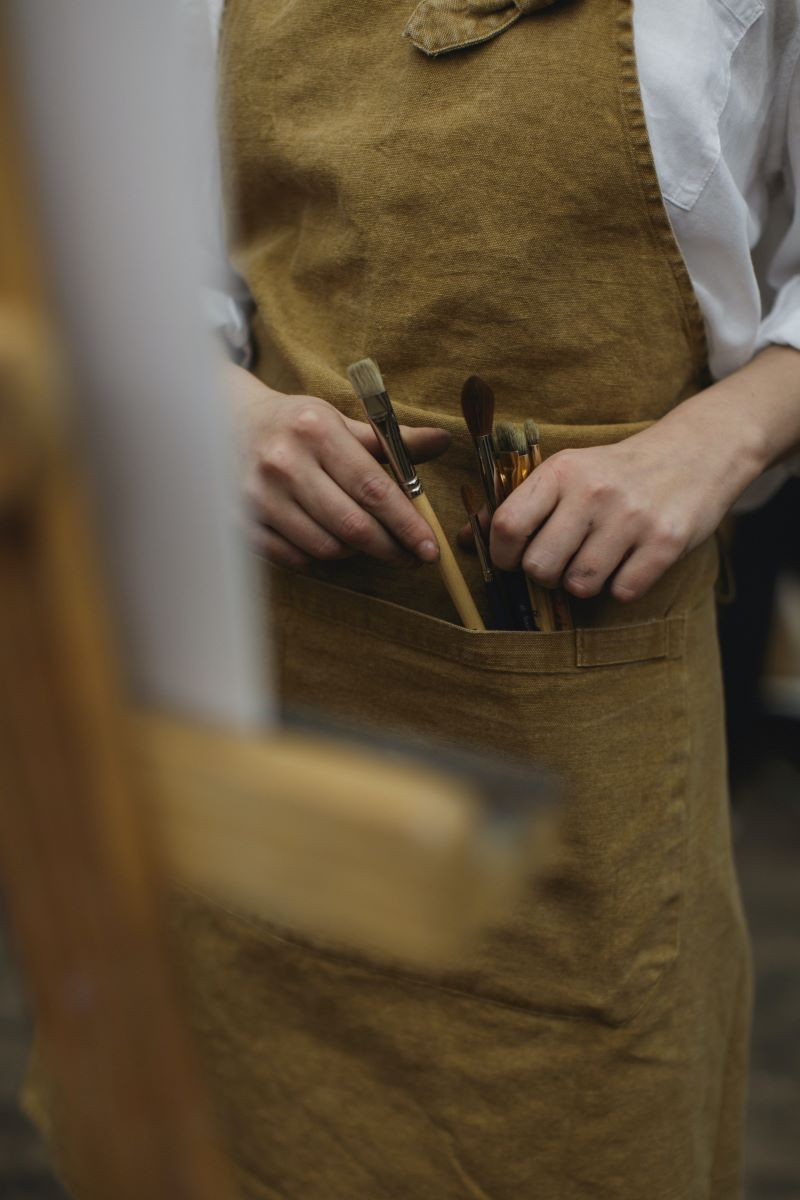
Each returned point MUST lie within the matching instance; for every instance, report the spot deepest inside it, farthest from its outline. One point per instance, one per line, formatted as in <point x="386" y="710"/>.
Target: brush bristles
<point x="510" y="438"/>
<point x="531" y="434"/>
<point x="477" y="405"/>
<point x="469" y="500"/>
<point x="520" y="442"/>
<point x="366" y="378"/>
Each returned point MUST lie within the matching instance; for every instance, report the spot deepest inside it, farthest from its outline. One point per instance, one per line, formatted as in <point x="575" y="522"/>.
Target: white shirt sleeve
<point x="225" y="295"/>
<point x="781" y="271"/>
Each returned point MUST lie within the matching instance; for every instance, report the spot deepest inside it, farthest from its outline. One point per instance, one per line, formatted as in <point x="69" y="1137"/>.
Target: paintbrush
<point x="531" y="610"/>
<point x="477" y="405"/>
<point x="368" y="386"/>
<point x="493" y="592"/>
<point x="562" y="614"/>
<point x="504" y="458"/>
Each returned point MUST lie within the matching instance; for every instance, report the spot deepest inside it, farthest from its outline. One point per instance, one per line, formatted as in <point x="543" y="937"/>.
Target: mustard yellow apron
<point x="480" y="197"/>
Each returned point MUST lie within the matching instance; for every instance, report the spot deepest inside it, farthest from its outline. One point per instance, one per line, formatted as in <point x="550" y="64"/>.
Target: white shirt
<point x="720" y="85"/>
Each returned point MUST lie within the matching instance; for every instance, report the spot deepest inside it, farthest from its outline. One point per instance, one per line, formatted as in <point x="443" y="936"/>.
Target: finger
<point x="357" y="473"/>
<point x="283" y="515"/>
<point x="273" y="546"/>
<point x="645" y="567"/>
<point x="519" y="517"/>
<point x="348" y="522"/>
<point x="597" y="559"/>
<point x="423" y="443"/>
<point x="559" y="539"/>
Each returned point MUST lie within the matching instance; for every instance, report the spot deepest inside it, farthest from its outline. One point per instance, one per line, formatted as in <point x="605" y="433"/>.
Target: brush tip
<point x="469" y="499"/>
<point x="505" y="437"/>
<point x="477" y="405"/>
<point x="531" y="433"/>
<point x="366" y="378"/>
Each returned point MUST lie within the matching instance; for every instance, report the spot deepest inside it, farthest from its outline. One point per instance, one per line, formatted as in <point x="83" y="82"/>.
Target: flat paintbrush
<point x="506" y="457"/>
<point x="368" y="386"/>
<point x="560" y="607"/>
<point x="490" y="581"/>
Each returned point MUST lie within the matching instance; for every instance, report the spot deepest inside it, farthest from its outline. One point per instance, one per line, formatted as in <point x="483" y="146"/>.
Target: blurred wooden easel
<point x="101" y="807"/>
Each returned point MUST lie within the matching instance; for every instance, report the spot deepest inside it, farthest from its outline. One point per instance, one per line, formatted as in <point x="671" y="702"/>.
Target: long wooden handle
<point x="454" y="581"/>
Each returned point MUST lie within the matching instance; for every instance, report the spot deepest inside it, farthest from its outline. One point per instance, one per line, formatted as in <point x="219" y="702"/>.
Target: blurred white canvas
<point x="115" y="123"/>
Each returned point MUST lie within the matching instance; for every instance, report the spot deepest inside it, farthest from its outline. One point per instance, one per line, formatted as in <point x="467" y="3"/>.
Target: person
<point x="593" y="205"/>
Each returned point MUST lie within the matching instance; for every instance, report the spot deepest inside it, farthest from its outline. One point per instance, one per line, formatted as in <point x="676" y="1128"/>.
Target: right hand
<point x="313" y="484"/>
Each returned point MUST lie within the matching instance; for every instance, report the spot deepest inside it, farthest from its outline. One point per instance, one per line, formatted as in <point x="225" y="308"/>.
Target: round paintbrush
<point x="477" y="405"/>
<point x="497" y="606"/>
<point x="368" y="386"/>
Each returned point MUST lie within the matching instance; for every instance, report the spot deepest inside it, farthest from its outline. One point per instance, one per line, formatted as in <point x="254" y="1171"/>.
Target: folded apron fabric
<point x="479" y="197"/>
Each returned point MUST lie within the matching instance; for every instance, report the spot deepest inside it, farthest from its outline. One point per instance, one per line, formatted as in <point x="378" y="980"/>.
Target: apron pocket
<point x="603" y="708"/>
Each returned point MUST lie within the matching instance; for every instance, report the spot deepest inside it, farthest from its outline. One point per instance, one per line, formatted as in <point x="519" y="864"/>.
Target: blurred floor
<point x="767" y="832"/>
<point x="24" y="1174"/>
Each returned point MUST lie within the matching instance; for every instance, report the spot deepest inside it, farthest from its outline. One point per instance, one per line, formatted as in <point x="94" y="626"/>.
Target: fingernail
<point x="428" y="550"/>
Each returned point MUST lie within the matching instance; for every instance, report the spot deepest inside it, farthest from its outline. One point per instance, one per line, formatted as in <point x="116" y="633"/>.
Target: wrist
<point x="760" y="406"/>
<point x="726" y="431"/>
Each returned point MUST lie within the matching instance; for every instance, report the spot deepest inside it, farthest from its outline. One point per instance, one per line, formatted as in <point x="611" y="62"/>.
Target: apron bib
<point x="479" y="197"/>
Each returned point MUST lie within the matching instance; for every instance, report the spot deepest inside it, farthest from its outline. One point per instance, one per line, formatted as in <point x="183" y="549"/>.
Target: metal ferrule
<point x="522" y="469"/>
<point x="480" y="546"/>
<point x="380" y="415"/>
<point x="506" y="462"/>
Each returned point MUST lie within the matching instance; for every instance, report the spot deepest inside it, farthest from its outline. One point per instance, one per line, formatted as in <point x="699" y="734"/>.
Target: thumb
<point x="423" y="443"/>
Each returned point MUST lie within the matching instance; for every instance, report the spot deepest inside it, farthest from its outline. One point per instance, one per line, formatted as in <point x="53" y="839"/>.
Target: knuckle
<point x="307" y="420"/>
<point x="504" y="524"/>
<point x="277" y="459"/>
<point x="355" y="527"/>
<point x="562" y="463"/>
<point x="562" y="458"/>
<point x="667" y="539"/>
<point x="540" y="567"/>
<point x="633" y="513"/>
<point x="599" y="491"/>
<point x="584" y="580"/>
<point x="374" y="490"/>
<point x="326" y="547"/>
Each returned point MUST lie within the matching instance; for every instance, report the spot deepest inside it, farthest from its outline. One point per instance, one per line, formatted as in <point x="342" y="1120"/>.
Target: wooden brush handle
<point x="561" y="609"/>
<point x="454" y="581"/>
<point x="541" y="601"/>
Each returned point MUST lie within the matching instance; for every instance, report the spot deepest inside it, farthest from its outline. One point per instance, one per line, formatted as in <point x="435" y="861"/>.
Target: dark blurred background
<point x="760" y="634"/>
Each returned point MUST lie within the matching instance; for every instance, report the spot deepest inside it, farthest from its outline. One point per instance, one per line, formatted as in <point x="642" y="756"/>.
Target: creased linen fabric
<point x="482" y="212"/>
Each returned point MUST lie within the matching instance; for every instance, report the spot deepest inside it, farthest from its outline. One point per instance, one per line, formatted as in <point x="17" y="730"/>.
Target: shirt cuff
<point x="781" y="327"/>
<point x="226" y="317"/>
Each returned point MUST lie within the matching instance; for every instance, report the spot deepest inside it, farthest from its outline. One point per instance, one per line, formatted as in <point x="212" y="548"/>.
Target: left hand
<point x="627" y="511"/>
